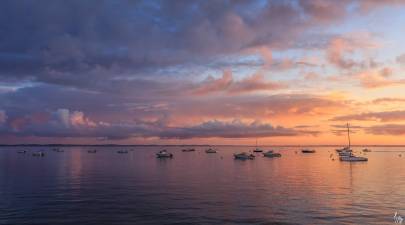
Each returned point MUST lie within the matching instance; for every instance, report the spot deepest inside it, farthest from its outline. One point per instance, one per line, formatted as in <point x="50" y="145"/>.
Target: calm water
<point x="75" y="187"/>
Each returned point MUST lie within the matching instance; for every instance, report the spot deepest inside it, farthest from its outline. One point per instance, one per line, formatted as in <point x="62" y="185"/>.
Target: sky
<point x="290" y="72"/>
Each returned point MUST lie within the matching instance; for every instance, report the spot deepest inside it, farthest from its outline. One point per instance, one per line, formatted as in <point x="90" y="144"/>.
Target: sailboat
<point x="257" y="149"/>
<point x="347" y="155"/>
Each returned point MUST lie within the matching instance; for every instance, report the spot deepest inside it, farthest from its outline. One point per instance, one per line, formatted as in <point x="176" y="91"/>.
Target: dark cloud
<point x="387" y="129"/>
<point x="386" y="116"/>
<point x="53" y="41"/>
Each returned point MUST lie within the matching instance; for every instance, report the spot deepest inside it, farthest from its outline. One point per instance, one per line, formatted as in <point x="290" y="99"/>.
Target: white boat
<point x="271" y="154"/>
<point x="243" y="156"/>
<point x="348" y="156"/>
<point x="40" y="154"/>
<point x="344" y="149"/>
<point x="210" y="150"/>
<point x="353" y="158"/>
<point x="164" y="154"/>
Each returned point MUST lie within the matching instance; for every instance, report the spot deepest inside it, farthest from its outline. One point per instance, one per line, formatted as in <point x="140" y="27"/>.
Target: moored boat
<point x="164" y="154"/>
<point x="348" y="156"/>
<point x="308" y="151"/>
<point x="210" y="150"/>
<point x="271" y="154"/>
<point x="243" y="156"/>
<point x="40" y="154"/>
<point x="188" y="150"/>
<point x="366" y="150"/>
<point x="22" y="152"/>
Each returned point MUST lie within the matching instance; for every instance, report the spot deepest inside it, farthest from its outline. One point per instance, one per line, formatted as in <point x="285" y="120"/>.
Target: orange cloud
<point x="228" y="85"/>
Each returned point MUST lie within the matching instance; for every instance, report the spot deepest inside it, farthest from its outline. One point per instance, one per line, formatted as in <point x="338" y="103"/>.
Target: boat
<point x="308" y="151"/>
<point x="344" y="149"/>
<point x="243" y="156"/>
<point x="348" y="156"/>
<point x="92" y="151"/>
<point x="353" y="158"/>
<point x="210" y="150"/>
<point x="257" y="149"/>
<point x="271" y="154"/>
<point x="22" y="152"/>
<point x="122" y="151"/>
<point x="40" y="154"/>
<point x="164" y="154"/>
<point x="188" y="150"/>
<point x="366" y="150"/>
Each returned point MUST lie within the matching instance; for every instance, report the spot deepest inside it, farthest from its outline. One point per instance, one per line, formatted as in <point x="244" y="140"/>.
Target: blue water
<point x="75" y="187"/>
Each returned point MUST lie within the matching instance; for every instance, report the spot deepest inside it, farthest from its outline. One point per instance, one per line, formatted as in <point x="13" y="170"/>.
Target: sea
<point x="73" y="186"/>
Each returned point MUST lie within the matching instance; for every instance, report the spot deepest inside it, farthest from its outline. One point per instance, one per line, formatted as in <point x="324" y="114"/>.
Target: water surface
<point x="75" y="187"/>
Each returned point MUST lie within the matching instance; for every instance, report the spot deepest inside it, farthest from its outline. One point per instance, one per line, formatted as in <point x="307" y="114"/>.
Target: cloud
<point x="234" y="129"/>
<point x="64" y="123"/>
<point x="401" y="59"/>
<point x="386" y="116"/>
<point x="387" y="129"/>
<point x="340" y="48"/>
<point x="227" y="84"/>
<point x="388" y="100"/>
<point x="378" y="78"/>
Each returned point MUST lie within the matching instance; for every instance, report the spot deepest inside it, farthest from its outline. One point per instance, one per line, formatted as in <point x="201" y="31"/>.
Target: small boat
<point x="164" y="154"/>
<point x="122" y="151"/>
<point x="22" y="152"/>
<point x="40" y="154"/>
<point x="244" y="156"/>
<point x="308" y="151"/>
<point x="210" y="150"/>
<point x="348" y="156"/>
<point x="271" y="154"/>
<point x="345" y="153"/>
<point x="344" y="149"/>
<point x="188" y="150"/>
<point x="257" y="149"/>
<point x="366" y="150"/>
<point x="92" y="151"/>
<point x="352" y="158"/>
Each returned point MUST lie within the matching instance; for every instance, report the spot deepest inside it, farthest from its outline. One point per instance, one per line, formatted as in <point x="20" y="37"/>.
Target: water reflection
<point x="137" y="188"/>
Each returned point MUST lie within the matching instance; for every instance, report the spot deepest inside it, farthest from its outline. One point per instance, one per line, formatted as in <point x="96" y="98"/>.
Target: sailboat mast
<point x="348" y="134"/>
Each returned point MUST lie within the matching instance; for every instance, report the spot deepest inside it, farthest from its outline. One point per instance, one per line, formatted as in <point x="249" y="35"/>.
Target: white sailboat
<point x="347" y="154"/>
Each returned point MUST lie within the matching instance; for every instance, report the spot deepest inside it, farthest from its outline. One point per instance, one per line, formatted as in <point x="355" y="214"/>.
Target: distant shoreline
<point x="202" y="145"/>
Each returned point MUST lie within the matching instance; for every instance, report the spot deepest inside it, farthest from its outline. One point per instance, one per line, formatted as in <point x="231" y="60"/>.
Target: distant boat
<point x="257" y="149"/>
<point x="308" y="151"/>
<point x="164" y="154"/>
<point x="40" y="154"/>
<point x="366" y="150"/>
<point x="122" y="151"/>
<point x="271" y="154"/>
<point x="92" y="151"/>
<point x="244" y="156"/>
<point x="210" y="150"/>
<point x="188" y="150"/>
<point x="348" y="156"/>
<point x="22" y="152"/>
